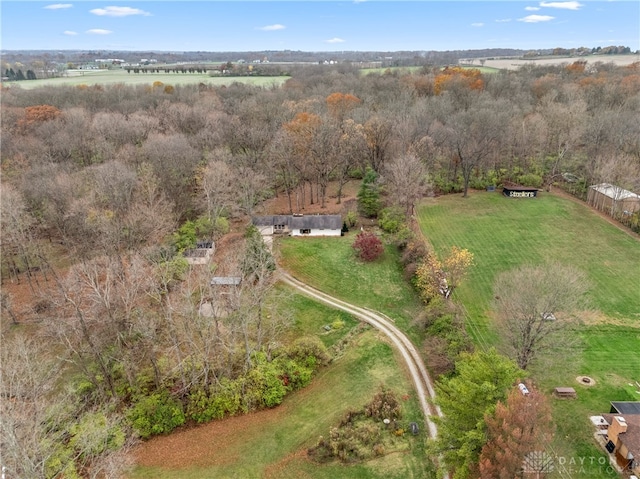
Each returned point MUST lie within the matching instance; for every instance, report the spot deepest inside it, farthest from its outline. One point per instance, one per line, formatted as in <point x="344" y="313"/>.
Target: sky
<point x="323" y="25"/>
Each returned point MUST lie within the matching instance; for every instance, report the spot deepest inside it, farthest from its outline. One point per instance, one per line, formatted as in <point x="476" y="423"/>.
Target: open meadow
<point x="515" y="63"/>
<point x="110" y="77"/>
<point x="505" y="233"/>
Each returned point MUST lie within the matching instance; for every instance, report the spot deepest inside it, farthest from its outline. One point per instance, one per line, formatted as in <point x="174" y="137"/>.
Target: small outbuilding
<point x="201" y="253"/>
<point x="511" y="190"/>
<point x="613" y="200"/>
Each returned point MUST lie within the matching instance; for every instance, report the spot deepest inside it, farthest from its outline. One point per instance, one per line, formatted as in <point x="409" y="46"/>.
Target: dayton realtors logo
<point x="537" y="462"/>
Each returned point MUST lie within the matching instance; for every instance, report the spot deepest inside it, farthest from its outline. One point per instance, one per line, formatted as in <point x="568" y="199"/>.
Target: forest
<point x="104" y="187"/>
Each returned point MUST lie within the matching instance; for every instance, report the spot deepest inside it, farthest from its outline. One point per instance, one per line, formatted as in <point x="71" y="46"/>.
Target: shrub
<point x="156" y="414"/>
<point x="530" y="179"/>
<point x="412" y="256"/>
<point x="391" y="219"/>
<point x="309" y="351"/>
<point x="263" y="386"/>
<point x="351" y="218"/>
<point x="384" y="405"/>
<point x="220" y="401"/>
<point x="368" y="246"/>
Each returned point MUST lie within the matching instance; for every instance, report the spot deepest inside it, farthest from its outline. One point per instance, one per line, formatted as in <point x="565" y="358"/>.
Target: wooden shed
<point x="511" y="190"/>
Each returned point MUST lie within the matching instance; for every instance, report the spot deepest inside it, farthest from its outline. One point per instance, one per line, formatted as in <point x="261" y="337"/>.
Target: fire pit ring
<point x="586" y="380"/>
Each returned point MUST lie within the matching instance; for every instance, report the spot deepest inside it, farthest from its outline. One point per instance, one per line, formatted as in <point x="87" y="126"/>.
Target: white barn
<point x="614" y="200"/>
<point x="299" y="225"/>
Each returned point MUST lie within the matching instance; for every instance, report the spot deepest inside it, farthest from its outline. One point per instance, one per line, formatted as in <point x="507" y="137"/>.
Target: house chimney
<point x="621" y="423"/>
<point x="618" y="426"/>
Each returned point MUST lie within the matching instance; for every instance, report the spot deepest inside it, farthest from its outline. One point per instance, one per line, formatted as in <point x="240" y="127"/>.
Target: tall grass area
<point x="505" y="233"/>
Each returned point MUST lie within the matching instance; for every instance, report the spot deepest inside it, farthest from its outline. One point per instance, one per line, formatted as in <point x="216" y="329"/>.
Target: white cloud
<point x="58" y="6"/>
<point x="334" y="40"/>
<point x="563" y="5"/>
<point x="70" y="32"/>
<point x="98" y="31"/>
<point x="503" y="20"/>
<point x="118" y="12"/>
<point x="477" y="24"/>
<point x="532" y="9"/>
<point x="536" y="18"/>
<point x="272" y="28"/>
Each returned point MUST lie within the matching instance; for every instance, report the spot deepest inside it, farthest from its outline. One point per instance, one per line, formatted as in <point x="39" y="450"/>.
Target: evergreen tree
<point x="20" y="75"/>
<point x="369" y="194"/>
<point x="467" y="398"/>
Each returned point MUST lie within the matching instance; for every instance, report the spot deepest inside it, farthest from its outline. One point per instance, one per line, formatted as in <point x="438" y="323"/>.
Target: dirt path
<point x="415" y="364"/>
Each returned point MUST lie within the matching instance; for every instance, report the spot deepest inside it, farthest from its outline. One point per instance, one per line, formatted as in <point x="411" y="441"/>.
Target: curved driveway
<point x="414" y="362"/>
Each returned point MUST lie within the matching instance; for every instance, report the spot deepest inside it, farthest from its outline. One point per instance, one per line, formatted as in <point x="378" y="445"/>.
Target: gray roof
<point x="326" y="222"/>
<point x="271" y="220"/>
<point x="614" y="192"/>
<point x="626" y="407"/>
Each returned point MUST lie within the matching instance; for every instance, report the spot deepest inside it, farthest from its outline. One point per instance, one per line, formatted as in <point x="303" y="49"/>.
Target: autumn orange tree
<point x="37" y="114"/>
<point x="471" y="77"/>
<point x="439" y="278"/>
<point x="339" y="104"/>
<point x="299" y="135"/>
<point x="518" y="429"/>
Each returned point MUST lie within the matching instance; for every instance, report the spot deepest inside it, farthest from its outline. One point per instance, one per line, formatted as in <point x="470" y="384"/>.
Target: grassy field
<point x="505" y="233"/>
<point x="272" y="443"/>
<point x="379" y="285"/>
<point x="515" y="63"/>
<point x="110" y="77"/>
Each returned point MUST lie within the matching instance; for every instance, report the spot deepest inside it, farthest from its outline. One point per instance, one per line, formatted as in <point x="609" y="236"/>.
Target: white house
<point x="299" y="225"/>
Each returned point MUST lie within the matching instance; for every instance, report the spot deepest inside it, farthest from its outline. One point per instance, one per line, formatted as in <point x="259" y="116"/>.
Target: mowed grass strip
<point x="330" y="265"/>
<point x="273" y="443"/>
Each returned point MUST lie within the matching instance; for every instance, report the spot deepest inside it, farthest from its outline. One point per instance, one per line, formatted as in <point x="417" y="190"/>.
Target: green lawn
<point x="110" y="77"/>
<point x="504" y="233"/>
<point x="330" y="265"/>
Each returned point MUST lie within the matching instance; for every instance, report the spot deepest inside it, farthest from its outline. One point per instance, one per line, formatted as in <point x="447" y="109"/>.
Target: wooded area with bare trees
<point x="98" y="180"/>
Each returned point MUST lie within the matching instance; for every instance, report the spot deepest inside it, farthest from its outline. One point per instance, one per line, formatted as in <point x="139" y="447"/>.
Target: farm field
<point x="273" y="443"/>
<point x="110" y="77"/>
<point x="515" y="63"/>
<point x="505" y="233"/>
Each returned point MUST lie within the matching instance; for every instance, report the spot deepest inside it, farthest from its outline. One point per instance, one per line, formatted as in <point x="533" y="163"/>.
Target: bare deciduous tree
<point x="534" y="305"/>
<point x="405" y="179"/>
